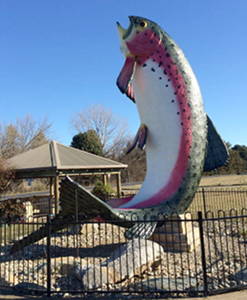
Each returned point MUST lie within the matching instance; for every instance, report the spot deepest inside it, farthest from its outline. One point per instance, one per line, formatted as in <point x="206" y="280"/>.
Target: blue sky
<point x="59" y="57"/>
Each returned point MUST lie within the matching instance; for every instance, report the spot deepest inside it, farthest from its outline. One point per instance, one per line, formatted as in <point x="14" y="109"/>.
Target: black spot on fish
<point x="144" y="65"/>
<point x="145" y="34"/>
<point x="152" y="69"/>
<point x="168" y="66"/>
<point x="168" y="79"/>
<point x="176" y="78"/>
<point x="188" y="118"/>
<point x="184" y="110"/>
<point x="178" y="113"/>
<point x="167" y="55"/>
<point x="173" y="101"/>
<point x="179" y="86"/>
<point x="182" y="123"/>
<point x="160" y="78"/>
<point x="175" y="93"/>
<point x="154" y="60"/>
<point x="166" y="85"/>
<point x="165" y="72"/>
<point x="160" y="63"/>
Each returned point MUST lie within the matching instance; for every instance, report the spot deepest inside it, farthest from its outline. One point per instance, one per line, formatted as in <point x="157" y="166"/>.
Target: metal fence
<point x="208" y="198"/>
<point x="186" y="256"/>
<point x="217" y="198"/>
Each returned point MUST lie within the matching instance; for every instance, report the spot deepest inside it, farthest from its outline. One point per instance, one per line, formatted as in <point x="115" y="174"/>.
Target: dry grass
<point x="224" y="180"/>
<point x="221" y="180"/>
<point x="221" y="193"/>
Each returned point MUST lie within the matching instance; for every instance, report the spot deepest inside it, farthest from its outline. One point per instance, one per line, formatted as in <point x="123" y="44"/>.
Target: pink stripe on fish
<point x="147" y="41"/>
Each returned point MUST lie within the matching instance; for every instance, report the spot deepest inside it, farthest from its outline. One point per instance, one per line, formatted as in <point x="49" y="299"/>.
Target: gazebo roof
<point x="53" y="158"/>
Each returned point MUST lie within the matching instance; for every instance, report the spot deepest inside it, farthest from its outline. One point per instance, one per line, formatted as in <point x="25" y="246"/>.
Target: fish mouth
<point x="124" y="33"/>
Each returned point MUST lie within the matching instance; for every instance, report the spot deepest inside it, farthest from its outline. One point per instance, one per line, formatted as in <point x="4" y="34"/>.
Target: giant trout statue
<point x="179" y="139"/>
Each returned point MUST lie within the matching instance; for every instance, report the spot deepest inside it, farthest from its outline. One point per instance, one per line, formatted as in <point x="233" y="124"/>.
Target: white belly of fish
<point x="158" y="110"/>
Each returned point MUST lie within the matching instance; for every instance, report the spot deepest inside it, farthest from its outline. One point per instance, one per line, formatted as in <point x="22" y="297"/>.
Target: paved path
<point x="241" y="295"/>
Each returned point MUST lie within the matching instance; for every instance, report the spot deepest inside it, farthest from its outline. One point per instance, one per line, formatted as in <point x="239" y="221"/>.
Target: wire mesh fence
<point x="187" y="255"/>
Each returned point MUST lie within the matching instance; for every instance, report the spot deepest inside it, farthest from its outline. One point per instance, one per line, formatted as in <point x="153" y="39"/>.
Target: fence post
<point x="204" y="266"/>
<point x="204" y="201"/>
<point x="48" y="256"/>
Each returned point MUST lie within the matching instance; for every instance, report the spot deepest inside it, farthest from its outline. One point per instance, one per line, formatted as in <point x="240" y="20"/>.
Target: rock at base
<point x="130" y="259"/>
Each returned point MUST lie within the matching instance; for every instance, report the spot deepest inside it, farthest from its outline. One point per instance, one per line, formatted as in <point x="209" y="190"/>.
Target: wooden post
<point x="119" y="190"/>
<point x="105" y="179"/>
<point x="50" y="196"/>
<point x="56" y="191"/>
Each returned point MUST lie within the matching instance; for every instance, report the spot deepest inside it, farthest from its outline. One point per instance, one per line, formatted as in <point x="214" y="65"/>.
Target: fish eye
<point x="143" y="24"/>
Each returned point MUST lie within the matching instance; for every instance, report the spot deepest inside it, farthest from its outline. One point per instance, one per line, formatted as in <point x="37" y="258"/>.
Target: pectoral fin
<point x="141" y="230"/>
<point x="125" y="76"/>
<point x="217" y="154"/>
<point x="140" y="139"/>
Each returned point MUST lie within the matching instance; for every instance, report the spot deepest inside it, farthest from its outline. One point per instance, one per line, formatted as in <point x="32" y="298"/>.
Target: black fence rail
<point x="186" y="256"/>
<point x="219" y="198"/>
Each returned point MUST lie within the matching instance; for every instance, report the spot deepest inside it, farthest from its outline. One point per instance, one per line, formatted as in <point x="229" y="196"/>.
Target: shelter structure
<point x="54" y="160"/>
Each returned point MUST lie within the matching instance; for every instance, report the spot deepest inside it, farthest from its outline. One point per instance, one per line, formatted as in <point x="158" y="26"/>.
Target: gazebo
<point x="54" y="160"/>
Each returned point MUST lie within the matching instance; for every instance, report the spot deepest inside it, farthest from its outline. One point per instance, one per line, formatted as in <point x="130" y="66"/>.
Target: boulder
<point x="128" y="260"/>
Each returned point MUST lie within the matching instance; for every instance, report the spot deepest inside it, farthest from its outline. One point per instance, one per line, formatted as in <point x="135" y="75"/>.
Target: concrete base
<point x="178" y="235"/>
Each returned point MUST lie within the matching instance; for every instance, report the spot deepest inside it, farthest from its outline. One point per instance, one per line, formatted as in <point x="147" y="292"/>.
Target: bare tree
<point x="112" y="132"/>
<point x="23" y="135"/>
<point x="6" y="176"/>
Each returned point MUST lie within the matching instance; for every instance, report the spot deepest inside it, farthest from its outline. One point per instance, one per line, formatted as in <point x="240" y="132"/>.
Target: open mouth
<point x="124" y="33"/>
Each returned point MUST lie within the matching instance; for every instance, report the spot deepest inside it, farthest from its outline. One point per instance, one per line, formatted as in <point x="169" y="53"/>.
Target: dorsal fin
<point x="217" y="154"/>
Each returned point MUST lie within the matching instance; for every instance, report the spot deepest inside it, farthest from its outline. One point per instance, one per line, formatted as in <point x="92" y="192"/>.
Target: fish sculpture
<point x="179" y="138"/>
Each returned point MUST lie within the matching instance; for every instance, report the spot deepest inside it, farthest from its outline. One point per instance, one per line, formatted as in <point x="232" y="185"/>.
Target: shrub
<point x="11" y="211"/>
<point x="102" y="191"/>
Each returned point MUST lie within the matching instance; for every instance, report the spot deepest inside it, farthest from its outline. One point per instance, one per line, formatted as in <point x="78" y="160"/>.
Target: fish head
<point x="141" y="38"/>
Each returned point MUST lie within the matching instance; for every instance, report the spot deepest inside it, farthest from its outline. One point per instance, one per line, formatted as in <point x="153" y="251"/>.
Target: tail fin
<point x="74" y="200"/>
